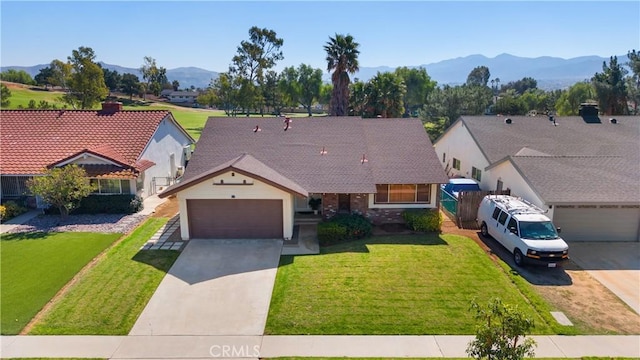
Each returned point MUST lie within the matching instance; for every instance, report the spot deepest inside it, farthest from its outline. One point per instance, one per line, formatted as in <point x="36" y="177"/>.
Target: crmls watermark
<point x="240" y="351"/>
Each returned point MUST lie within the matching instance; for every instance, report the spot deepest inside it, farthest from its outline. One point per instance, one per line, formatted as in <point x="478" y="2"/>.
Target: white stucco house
<point x="123" y="152"/>
<point x="585" y="172"/>
<point x="251" y="177"/>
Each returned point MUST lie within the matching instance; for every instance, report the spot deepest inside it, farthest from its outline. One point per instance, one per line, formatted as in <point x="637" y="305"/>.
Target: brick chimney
<point x="111" y="106"/>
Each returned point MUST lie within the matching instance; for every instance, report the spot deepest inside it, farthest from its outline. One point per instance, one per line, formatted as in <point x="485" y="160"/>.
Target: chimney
<point x="111" y="106"/>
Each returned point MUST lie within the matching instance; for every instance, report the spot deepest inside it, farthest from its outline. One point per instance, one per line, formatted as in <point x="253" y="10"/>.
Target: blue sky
<point x="393" y="33"/>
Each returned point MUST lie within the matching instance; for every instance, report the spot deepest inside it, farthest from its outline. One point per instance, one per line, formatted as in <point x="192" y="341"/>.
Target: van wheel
<point x="517" y="257"/>
<point x="483" y="230"/>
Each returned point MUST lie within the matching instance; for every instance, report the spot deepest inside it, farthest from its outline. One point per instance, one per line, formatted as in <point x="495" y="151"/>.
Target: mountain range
<point x="550" y="72"/>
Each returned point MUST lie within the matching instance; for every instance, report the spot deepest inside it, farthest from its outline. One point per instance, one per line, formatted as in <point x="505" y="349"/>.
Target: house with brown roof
<point x="123" y="152"/>
<point x="251" y="177"/>
<point x="584" y="170"/>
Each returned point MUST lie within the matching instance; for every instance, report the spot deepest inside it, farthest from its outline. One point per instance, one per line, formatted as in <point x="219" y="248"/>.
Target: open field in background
<point x="35" y="266"/>
<point x="403" y="284"/>
<point x="192" y="119"/>
<point x="109" y="297"/>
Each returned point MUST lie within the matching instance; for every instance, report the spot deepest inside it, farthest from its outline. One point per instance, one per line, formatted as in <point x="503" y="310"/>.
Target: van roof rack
<point x="517" y="205"/>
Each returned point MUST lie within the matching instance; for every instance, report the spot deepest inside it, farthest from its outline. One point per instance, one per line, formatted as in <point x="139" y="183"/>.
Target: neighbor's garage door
<point x="235" y="219"/>
<point x="597" y="223"/>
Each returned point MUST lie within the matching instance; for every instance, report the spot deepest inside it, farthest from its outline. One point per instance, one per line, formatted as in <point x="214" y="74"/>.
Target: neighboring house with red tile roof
<point x="249" y="178"/>
<point x="584" y="170"/>
<point x="123" y="152"/>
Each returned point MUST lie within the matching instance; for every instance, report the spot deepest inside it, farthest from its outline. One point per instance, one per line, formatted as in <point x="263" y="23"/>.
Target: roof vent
<point x="613" y="121"/>
<point x="507" y="121"/>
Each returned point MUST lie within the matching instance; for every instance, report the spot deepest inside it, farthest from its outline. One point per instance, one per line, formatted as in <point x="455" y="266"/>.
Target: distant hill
<point x="550" y="72"/>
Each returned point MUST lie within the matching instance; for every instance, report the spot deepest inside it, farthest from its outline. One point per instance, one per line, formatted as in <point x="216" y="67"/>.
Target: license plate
<point x="551" y="265"/>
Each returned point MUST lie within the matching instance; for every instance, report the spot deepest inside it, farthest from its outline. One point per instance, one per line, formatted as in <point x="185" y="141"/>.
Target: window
<point x="111" y="186"/>
<point x="513" y="226"/>
<point x="502" y="218"/>
<point x="402" y="193"/>
<point x="496" y="212"/>
<point x="444" y="157"/>
<point x="456" y="164"/>
<point x="476" y="174"/>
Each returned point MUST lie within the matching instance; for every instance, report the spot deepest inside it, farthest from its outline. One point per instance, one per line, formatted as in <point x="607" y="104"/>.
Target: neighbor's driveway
<point x="615" y="265"/>
<point x="216" y="287"/>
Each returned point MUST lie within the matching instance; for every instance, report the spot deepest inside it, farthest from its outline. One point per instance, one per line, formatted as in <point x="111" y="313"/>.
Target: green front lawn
<point x="108" y="299"/>
<point x="35" y="266"/>
<point x="409" y="284"/>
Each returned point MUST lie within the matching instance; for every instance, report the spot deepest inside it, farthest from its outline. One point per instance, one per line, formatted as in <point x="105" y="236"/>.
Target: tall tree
<point x="42" y="78"/>
<point x="154" y="77"/>
<point x="479" y="76"/>
<point x="175" y="84"/>
<point x="633" y="81"/>
<point x="569" y="102"/>
<point x="60" y="74"/>
<point x="386" y="96"/>
<point x="255" y="56"/>
<point x="611" y="87"/>
<point x="358" y="95"/>
<point x="130" y="85"/>
<point x="418" y="86"/>
<point x="86" y="84"/>
<point x="302" y="85"/>
<point x="226" y="93"/>
<point x="273" y="92"/>
<point x="112" y="79"/>
<point x="522" y="85"/>
<point x="342" y="58"/>
<point x="5" y="94"/>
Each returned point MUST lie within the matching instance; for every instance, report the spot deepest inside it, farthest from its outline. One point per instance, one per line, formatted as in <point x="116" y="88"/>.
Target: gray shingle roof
<point x="398" y="151"/>
<point x="573" y="162"/>
<point x="572" y="180"/>
<point x="572" y="136"/>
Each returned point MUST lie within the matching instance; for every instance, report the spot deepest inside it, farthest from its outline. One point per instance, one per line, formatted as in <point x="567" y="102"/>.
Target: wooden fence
<point x="464" y="209"/>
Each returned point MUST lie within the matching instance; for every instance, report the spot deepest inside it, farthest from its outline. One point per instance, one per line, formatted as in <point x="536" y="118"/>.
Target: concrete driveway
<point x="215" y="287"/>
<point x="615" y="265"/>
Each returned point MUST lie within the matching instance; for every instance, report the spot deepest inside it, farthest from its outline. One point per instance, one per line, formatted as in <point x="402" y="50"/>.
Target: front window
<point x="402" y="193"/>
<point x="111" y="186"/>
<point x="539" y="230"/>
<point x="476" y="173"/>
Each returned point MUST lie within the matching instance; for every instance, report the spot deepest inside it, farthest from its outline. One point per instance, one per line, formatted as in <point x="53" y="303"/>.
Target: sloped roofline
<point x="232" y="165"/>
<point x="173" y="120"/>
<point x="466" y="126"/>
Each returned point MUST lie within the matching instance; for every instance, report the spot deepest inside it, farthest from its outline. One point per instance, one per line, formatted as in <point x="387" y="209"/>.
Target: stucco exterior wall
<point x="458" y="143"/>
<point x="168" y="139"/>
<point x="511" y="179"/>
<point x="254" y="189"/>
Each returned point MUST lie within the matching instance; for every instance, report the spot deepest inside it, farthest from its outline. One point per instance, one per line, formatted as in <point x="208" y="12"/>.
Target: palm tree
<point x="342" y="58"/>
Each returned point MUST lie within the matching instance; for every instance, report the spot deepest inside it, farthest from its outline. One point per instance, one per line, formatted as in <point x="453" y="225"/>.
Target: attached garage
<point x="235" y="218"/>
<point x="598" y="223"/>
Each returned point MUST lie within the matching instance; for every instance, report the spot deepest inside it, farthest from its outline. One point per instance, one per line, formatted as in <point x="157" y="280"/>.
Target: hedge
<point x="427" y="220"/>
<point x="105" y="204"/>
<point x="344" y="228"/>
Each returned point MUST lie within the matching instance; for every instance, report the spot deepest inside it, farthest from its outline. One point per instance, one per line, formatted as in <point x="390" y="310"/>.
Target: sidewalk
<point x="19" y="220"/>
<point x="193" y="347"/>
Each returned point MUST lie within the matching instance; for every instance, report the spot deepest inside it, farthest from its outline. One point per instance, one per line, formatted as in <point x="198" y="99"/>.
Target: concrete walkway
<point x="19" y="220"/>
<point x="192" y="347"/>
<point x="216" y="287"/>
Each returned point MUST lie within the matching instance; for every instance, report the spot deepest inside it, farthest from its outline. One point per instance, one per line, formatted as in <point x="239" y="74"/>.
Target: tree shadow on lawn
<point x="159" y="259"/>
<point x="34" y="235"/>
<point x="361" y="245"/>
<point x="195" y="130"/>
<point x="534" y="274"/>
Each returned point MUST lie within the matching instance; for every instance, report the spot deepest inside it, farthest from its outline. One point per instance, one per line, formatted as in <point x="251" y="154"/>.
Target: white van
<point x="523" y="229"/>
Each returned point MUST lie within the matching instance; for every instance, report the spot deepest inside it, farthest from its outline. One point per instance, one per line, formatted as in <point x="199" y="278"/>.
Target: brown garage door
<point x="235" y="219"/>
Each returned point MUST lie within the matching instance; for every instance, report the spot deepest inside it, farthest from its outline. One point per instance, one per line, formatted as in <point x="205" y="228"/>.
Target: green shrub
<point x="11" y="209"/>
<point x="331" y="233"/>
<point x="423" y="220"/>
<point x="106" y="204"/>
<point x="357" y="226"/>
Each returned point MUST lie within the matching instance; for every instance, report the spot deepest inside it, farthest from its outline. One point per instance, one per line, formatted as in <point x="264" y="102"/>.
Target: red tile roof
<point x="31" y="140"/>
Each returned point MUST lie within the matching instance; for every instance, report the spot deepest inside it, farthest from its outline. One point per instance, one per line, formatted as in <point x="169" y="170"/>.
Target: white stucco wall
<point x="512" y="179"/>
<point x="259" y="190"/>
<point x="458" y="143"/>
<point x="168" y="139"/>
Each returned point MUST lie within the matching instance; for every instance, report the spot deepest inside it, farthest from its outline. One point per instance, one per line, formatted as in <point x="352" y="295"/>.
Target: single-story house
<point x="123" y="152"/>
<point x="584" y="170"/>
<point x="250" y="177"/>
<point x="182" y="96"/>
